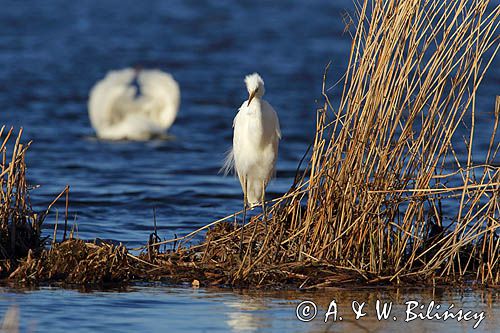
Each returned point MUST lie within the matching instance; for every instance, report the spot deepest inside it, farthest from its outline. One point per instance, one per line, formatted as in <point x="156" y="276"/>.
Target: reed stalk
<point x="399" y="147"/>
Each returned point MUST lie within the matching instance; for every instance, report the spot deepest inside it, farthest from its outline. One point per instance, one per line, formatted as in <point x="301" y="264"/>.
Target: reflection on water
<point x="160" y="309"/>
<point x="241" y="314"/>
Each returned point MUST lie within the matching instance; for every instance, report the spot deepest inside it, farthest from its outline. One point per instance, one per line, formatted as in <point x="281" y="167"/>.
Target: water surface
<point x="167" y="309"/>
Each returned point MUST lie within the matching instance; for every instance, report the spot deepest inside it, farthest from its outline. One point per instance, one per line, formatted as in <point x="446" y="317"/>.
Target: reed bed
<point x="19" y="225"/>
<point x="369" y="206"/>
<point x="27" y="257"/>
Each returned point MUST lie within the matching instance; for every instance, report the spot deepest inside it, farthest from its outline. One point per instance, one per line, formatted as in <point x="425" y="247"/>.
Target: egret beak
<point x="252" y="95"/>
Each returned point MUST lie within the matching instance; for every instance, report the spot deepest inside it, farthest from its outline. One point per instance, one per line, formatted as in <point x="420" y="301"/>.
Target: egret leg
<point x="245" y="201"/>
<point x="263" y="201"/>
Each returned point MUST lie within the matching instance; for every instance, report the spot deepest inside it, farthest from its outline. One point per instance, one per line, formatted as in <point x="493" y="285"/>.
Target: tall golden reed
<point x="399" y="147"/>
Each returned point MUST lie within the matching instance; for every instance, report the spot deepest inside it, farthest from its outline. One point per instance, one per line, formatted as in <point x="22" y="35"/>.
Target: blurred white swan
<point x="118" y="110"/>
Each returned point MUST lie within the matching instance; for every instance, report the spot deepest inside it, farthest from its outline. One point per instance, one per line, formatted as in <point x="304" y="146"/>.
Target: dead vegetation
<point x="19" y="225"/>
<point x="368" y="209"/>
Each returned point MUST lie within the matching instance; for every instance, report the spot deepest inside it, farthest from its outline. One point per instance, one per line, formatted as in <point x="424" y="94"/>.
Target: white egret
<point x="255" y="144"/>
<point x="118" y="110"/>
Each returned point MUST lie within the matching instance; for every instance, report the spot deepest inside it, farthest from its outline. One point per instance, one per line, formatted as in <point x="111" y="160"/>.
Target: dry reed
<point x="369" y="207"/>
<point x="19" y="225"/>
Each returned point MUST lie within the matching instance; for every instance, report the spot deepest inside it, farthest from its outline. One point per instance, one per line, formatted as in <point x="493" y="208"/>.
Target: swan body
<point x="255" y="142"/>
<point x="117" y="110"/>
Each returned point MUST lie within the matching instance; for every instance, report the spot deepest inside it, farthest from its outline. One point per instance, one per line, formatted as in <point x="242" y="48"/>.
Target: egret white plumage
<point x="255" y="143"/>
<point x="118" y="110"/>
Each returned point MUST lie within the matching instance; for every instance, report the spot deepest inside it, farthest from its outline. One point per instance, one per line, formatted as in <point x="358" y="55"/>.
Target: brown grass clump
<point x="19" y="225"/>
<point x="368" y="208"/>
<point x="77" y="261"/>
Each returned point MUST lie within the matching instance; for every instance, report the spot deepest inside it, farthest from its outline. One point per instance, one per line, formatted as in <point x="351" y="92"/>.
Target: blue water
<point x="51" y="54"/>
<point x="167" y="309"/>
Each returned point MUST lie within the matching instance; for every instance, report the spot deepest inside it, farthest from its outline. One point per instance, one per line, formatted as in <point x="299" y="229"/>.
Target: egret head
<point x="255" y="86"/>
